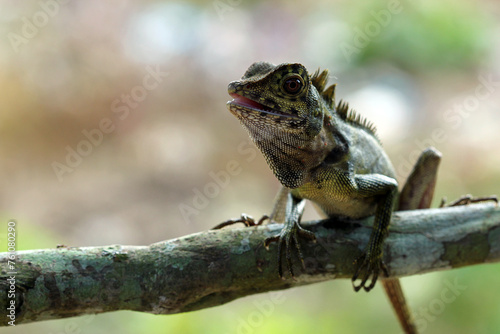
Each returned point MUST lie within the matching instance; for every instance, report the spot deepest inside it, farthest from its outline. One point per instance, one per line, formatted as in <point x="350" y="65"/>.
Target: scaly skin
<point x="319" y="151"/>
<point x="325" y="153"/>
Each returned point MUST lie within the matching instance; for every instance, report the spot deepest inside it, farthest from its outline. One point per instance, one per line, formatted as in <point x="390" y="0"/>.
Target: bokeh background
<point x="425" y="72"/>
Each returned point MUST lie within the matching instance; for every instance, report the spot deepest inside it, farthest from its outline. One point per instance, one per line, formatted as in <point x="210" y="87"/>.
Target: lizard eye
<point x="293" y="85"/>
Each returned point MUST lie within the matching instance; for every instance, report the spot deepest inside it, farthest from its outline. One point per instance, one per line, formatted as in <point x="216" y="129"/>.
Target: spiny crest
<point x="319" y="80"/>
<point x="352" y="117"/>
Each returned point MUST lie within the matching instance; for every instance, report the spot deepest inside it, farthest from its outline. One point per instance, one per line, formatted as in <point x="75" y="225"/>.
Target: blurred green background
<point x="425" y="72"/>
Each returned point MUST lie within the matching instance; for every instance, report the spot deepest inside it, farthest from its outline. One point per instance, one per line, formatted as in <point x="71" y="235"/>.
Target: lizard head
<point x="277" y="99"/>
<point x="283" y="111"/>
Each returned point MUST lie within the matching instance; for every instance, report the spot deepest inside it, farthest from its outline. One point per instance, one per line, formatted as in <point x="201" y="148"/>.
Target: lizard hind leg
<point x="277" y="215"/>
<point x="247" y="220"/>
<point x="418" y="190"/>
<point x="468" y="199"/>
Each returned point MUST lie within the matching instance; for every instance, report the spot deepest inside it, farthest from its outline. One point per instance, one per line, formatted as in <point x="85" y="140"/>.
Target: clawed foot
<point x="368" y="266"/>
<point x="468" y="199"/>
<point x="287" y="236"/>
<point x="245" y="219"/>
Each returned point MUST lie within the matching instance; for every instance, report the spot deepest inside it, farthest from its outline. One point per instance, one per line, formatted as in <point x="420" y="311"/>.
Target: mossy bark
<point x="214" y="267"/>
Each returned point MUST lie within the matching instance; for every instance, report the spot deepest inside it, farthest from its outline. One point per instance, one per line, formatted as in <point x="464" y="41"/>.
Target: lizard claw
<point x="368" y="265"/>
<point x="287" y="237"/>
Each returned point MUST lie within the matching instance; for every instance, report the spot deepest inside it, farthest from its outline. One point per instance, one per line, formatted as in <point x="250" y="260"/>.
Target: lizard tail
<point x="395" y="294"/>
<point x="416" y="194"/>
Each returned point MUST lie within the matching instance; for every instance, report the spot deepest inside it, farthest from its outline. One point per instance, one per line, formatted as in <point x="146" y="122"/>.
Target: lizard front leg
<point x="370" y="263"/>
<point x="289" y="235"/>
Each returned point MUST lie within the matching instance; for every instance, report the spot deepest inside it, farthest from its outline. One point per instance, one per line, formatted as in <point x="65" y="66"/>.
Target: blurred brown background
<point x="114" y="130"/>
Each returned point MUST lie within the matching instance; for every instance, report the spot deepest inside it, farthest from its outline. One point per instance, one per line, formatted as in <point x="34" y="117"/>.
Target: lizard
<point x="327" y="153"/>
<point x="319" y="151"/>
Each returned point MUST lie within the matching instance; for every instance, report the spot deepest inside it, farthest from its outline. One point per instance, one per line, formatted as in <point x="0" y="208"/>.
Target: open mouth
<point x="246" y="103"/>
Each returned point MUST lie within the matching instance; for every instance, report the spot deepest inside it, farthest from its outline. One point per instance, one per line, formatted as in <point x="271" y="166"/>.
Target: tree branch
<point x="214" y="267"/>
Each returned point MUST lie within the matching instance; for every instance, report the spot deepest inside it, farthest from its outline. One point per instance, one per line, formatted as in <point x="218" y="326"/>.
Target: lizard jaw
<point x="243" y="104"/>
